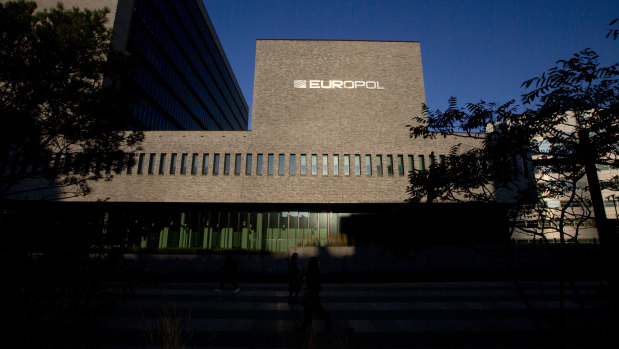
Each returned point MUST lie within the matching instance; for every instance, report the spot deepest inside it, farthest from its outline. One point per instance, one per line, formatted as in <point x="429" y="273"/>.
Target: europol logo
<point x="333" y="84"/>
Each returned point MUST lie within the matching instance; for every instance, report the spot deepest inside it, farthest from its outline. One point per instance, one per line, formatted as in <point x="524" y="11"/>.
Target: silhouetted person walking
<point x="311" y="298"/>
<point x="294" y="278"/>
<point x="228" y="274"/>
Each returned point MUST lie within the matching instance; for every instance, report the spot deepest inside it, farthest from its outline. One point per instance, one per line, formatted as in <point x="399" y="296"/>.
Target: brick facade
<point x="288" y="120"/>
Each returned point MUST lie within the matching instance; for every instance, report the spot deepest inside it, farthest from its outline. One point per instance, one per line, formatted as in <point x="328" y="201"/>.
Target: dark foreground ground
<point x="365" y="315"/>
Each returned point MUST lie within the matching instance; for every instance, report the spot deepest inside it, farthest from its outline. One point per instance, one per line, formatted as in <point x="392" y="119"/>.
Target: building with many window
<point x="184" y="78"/>
<point x="325" y="164"/>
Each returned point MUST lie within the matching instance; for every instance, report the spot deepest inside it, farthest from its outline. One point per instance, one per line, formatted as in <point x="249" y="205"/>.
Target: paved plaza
<point x="384" y="315"/>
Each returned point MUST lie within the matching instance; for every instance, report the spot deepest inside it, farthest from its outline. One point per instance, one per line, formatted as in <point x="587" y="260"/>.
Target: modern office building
<point x="325" y="164"/>
<point x="578" y="218"/>
<point x="184" y="77"/>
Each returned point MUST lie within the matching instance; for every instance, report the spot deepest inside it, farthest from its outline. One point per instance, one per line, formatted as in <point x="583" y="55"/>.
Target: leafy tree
<point x="64" y="100"/>
<point x="577" y="114"/>
<point x="64" y="106"/>
<point x="569" y="125"/>
<point x="487" y="172"/>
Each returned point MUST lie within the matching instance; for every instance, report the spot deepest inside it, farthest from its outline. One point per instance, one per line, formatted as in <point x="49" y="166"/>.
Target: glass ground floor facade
<point x="260" y="228"/>
<point x="272" y="231"/>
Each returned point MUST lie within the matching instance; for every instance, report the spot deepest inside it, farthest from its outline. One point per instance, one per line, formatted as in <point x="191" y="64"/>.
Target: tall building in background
<point x="184" y="77"/>
<point x="186" y="80"/>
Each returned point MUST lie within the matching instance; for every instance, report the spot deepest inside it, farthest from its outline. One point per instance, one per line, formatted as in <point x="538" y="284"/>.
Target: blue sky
<point x="473" y="50"/>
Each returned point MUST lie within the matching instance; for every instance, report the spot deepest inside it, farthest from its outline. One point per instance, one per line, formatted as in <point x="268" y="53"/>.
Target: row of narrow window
<point x="308" y="164"/>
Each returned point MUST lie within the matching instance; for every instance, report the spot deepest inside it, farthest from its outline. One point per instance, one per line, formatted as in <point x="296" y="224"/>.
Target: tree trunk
<point x="606" y="234"/>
